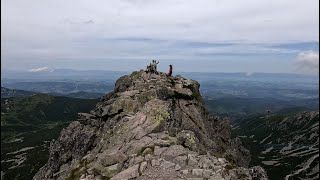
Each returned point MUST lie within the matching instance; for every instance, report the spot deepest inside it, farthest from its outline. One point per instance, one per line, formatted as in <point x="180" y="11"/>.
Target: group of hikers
<point x="152" y="68"/>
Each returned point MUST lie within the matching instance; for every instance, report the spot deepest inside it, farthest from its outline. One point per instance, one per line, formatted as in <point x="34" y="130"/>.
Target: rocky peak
<point x="149" y="127"/>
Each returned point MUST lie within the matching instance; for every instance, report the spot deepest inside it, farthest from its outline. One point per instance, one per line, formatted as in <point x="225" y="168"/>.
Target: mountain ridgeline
<point x="6" y="93"/>
<point x="149" y="127"/>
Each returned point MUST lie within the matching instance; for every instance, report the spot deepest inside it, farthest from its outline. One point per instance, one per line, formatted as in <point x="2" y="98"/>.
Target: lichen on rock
<point x="149" y="128"/>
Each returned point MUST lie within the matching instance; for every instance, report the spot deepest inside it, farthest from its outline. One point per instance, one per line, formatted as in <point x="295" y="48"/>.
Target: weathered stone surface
<point x="129" y="93"/>
<point x="129" y="173"/>
<point x="205" y="162"/>
<point x="177" y="167"/>
<point x="241" y="172"/>
<point x="197" y="172"/>
<point x="184" y="91"/>
<point x="217" y="177"/>
<point x="135" y="160"/>
<point x="156" y="162"/>
<point x="222" y="161"/>
<point x="147" y="151"/>
<point x="158" y="150"/>
<point x="109" y="171"/>
<point x="217" y="168"/>
<point x="112" y="158"/>
<point x="167" y="164"/>
<point x="149" y="127"/>
<point x="87" y="177"/>
<point x="207" y="173"/>
<point x="188" y="139"/>
<point x="138" y="146"/>
<point x="149" y="157"/>
<point x="174" y="151"/>
<point x="192" y="160"/>
<point x="185" y="171"/>
<point x="181" y="160"/>
<point x="85" y="116"/>
<point x="143" y="166"/>
<point x="258" y="173"/>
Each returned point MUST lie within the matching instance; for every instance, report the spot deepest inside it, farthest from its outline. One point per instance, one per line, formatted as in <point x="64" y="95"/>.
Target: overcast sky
<point x="194" y="35"/>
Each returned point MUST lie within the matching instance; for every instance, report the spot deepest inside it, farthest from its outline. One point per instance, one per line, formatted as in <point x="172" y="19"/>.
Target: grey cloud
<point x="47" y="30"/>
<point x="207" y="20"/>
<point x="69" y="21"/>
<point x="89" y="22"/>
<point x="41" y="69"/>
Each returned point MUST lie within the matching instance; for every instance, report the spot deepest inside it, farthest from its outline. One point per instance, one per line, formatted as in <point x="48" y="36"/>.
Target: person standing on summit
<point x="170" y="71"/>
<point x="155" y="63"/>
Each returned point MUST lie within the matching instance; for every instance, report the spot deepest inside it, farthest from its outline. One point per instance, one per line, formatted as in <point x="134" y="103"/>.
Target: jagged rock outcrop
<point x="149" y="127"/>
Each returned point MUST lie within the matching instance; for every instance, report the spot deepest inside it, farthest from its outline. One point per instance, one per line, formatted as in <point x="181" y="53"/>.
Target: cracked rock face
<point x="149" y="127"/>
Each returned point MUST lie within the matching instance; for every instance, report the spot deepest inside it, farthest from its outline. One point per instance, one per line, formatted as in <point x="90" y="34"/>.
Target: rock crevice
<point x="149" y="127"/>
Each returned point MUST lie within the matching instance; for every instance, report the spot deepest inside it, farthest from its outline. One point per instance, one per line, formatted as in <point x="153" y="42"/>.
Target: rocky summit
<point x="150" y="127"/>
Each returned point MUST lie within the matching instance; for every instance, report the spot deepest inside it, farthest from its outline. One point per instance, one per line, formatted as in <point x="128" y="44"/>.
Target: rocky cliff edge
<point x="149" y="127"/>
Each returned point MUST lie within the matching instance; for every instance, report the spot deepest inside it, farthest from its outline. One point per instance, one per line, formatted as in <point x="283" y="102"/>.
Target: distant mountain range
<point x="6" y="93"/>
<point x="239" y="107"/>
<point x="63" y="74"/>
<point x="42" y="89"/>
<point x="213" y="85"/>
<point x="113" y="75"/>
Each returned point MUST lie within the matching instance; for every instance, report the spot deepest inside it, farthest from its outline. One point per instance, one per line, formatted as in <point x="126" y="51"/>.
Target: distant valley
<point x="264" y="110"/>
<point x="287" y="145"/>
<point x="6" y="93"/>
<point x="28" y="124"/>
<point x="86" y="90"/>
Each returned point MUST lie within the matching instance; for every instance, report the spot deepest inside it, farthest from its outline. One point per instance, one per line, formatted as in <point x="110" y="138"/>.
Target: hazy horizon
<point x="48" y="71"/>
<point x="199" y="36"/>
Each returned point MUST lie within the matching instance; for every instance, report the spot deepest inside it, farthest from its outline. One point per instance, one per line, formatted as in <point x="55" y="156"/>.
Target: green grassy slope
<point x="282" y="143"/>
<point x="28" y="124"/>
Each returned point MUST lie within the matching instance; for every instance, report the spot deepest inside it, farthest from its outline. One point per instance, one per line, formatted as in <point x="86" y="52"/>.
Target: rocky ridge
<point x="149" y="127"/>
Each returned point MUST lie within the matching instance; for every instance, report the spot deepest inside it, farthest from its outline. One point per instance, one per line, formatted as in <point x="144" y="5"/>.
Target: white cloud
<point x="41" y="69"/>
<point x="200" y="20"/>
<point x="308" y="62"/>
<point x="249" y="73"/>
<point x="46" y="30"/>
